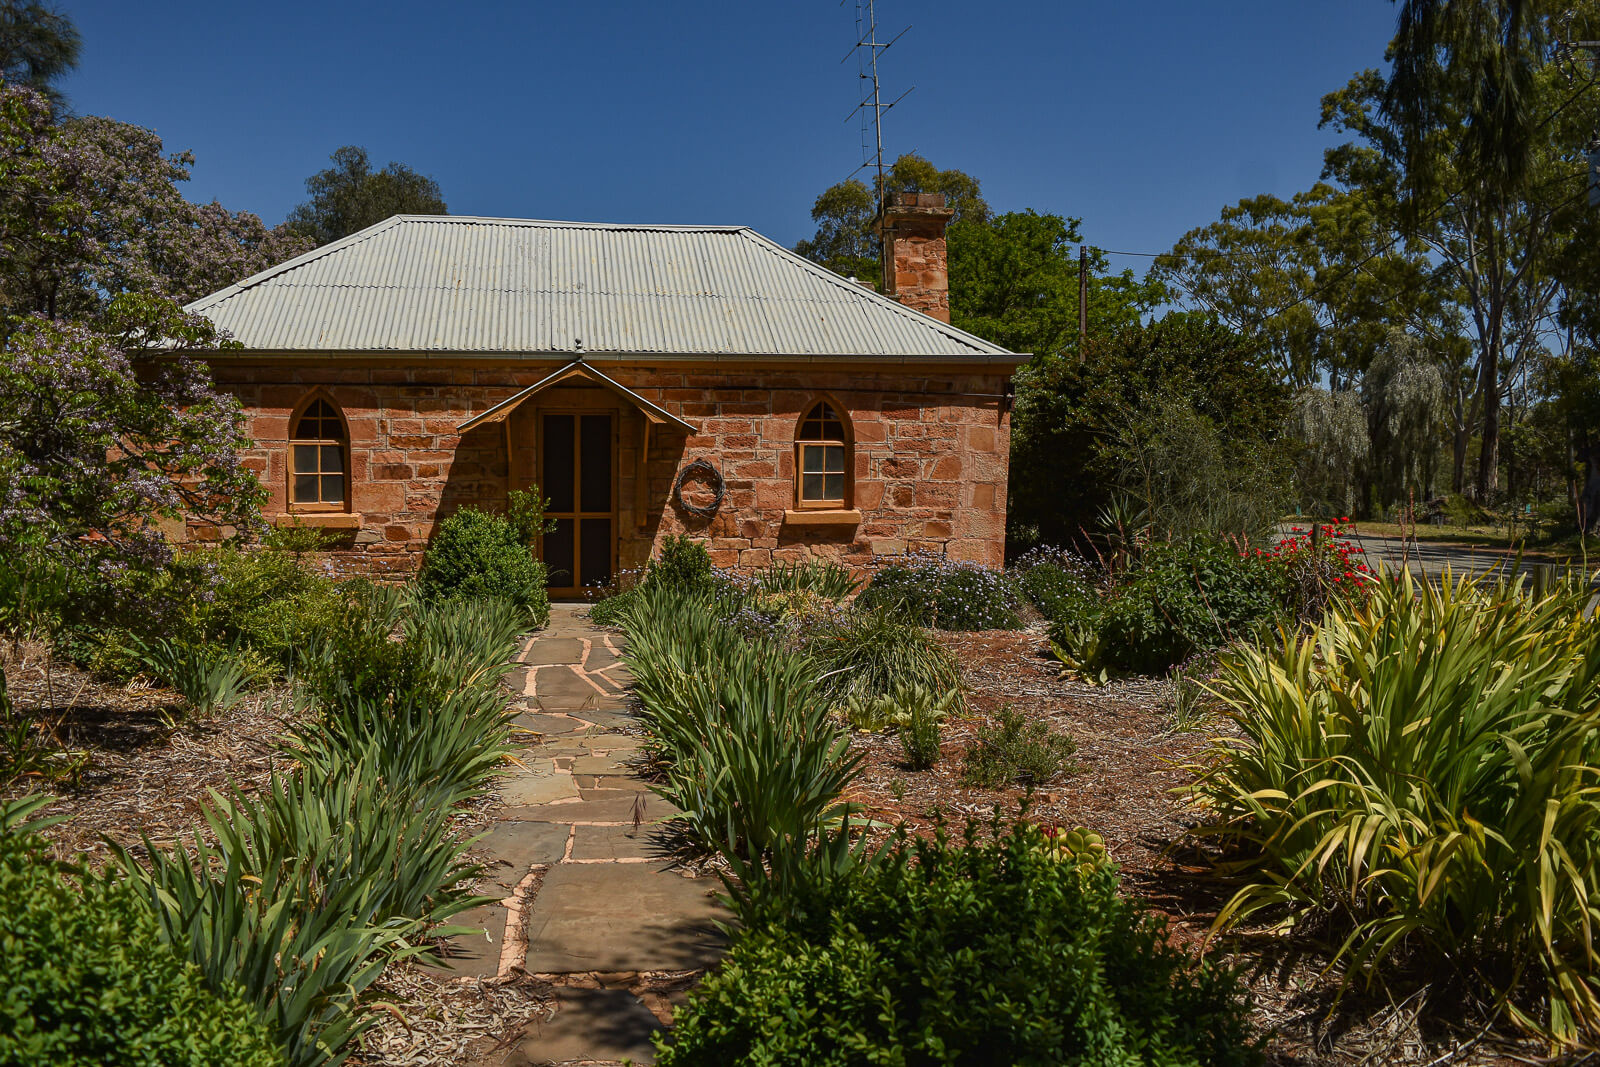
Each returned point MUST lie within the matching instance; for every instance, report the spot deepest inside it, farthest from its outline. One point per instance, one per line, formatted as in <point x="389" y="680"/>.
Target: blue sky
<point x="1143" y="118"/>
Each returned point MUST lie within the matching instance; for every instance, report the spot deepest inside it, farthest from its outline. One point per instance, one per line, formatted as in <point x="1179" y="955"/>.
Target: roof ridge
<point x="577" y="224"/>
<point x="212" y="299"/>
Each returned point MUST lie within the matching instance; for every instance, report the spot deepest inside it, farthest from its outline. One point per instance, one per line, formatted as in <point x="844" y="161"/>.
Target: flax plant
<point x="307" y="893"/>
<point x="1419" y="777"/>
<point x="303" y="893"/>
<point x="824" y="578"/>
<point x="749" y="749"/>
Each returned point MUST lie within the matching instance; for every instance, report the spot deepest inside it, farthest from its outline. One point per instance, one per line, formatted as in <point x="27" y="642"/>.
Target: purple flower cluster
<point x="948" y="593"/>
<point x="109" y="422"/>
<point x="102" y="440"/>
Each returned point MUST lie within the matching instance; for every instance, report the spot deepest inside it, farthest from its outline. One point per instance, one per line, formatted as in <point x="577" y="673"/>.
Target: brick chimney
<point x="915" y="265"/>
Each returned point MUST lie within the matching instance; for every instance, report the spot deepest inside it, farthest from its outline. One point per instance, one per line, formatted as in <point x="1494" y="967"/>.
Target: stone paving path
<point x="591" y="904"/>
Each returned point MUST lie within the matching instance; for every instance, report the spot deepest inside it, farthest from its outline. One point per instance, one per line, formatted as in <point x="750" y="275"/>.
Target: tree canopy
<point x="845" y="241"/>
<point x="1014" y="281"/>
<point x="90" y="209"/>
<point x="1081" y="428"/>
<point x="38" y="45"/>
<point x="350" y="196"/>
<point x="109" y="423"/>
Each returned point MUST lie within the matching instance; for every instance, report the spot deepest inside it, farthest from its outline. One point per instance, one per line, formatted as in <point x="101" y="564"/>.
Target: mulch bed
<point x="144" y="771"/>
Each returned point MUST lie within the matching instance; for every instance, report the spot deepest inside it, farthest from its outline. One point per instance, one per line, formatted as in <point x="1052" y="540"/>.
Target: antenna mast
<point x="866" y="51"/>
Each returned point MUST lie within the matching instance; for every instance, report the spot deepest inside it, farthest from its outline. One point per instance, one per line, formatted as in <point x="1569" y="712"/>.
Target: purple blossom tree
<point x="107" y="431"/>
<point x="90" y="210"/>
<point x="109" y="423"/>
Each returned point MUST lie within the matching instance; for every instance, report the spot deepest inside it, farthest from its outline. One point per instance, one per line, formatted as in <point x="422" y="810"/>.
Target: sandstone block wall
<point x="929" y="464"/>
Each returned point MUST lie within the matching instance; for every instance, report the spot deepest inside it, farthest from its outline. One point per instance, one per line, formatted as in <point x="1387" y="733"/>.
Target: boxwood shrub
<point x="966" y="953"/>
<point x="87" y="981"/>
<point x="477" y="553"/>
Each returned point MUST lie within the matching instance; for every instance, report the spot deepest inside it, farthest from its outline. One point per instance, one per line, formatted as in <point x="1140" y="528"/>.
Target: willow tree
<point x="1494" y="250"/>
<point x="1404" y="395"/>
<point x="1331" y="426"/>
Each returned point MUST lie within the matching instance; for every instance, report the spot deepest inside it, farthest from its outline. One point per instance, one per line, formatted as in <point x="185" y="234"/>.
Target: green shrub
<point x="919" y="713"/>
<point x="683" y="563"/>
<point x="947" y="953"/>
<point x="872" y="652"/>
<point x="1415" y="782"/>
<point x="267" y="603"/>
<point x="942" y="592"/>
<point x="479" y="554"/>
<point x="1015" y="749"/>
<point x="1173" y="599"/>
<point x="87" y="982"/>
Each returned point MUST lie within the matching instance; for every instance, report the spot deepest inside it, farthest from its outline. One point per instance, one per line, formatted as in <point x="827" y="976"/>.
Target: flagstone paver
<point x="589" y="891"/>
<point x="590" y="1024"/>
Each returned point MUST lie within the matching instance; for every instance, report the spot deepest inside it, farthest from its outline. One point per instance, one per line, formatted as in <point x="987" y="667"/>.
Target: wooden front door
<point x="578" y="466"/>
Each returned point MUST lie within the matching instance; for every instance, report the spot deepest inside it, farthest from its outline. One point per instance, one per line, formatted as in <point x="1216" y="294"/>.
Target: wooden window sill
<point x="329" y="520"/>
<point x="820" y="517"/>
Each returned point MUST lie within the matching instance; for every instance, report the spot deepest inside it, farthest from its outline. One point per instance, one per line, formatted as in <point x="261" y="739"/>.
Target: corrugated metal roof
<point x="443" y="283"/>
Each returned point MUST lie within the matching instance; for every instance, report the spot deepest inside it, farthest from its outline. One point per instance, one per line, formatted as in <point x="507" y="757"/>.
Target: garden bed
<point x="1129" y="762"/>
<point x="143" y="771"/>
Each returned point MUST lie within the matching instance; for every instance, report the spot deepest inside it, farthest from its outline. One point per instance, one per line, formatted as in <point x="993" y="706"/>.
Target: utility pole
<point x="1083" y="303"/>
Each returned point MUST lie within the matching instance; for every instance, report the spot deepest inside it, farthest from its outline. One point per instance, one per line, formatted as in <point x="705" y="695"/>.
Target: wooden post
<point x="641" y="486"/>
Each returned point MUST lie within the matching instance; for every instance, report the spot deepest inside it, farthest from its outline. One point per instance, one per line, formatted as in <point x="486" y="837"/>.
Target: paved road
<point x="1431" y="559"/>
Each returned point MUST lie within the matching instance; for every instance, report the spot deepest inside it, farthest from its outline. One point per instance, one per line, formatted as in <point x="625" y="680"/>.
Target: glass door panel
<point x="577" y="468"/>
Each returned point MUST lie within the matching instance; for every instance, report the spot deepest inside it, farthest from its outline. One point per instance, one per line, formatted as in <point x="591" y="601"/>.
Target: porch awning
<point x="578" y="369"/>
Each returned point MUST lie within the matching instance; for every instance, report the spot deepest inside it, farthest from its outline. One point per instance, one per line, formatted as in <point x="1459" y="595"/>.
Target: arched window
<point x="822" y="458"/>
<point x="318" y="456"/>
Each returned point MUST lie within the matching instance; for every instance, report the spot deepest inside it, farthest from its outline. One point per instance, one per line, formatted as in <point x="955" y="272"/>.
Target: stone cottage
<point x="650" y="380"/>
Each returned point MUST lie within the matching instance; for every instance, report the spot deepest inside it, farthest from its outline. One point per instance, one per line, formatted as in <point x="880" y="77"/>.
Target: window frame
<point x="318" y="507"/>
<point x="844" y="441"/>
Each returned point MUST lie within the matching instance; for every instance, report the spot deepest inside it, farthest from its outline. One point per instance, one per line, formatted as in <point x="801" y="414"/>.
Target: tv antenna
<point x="866" y="52"/>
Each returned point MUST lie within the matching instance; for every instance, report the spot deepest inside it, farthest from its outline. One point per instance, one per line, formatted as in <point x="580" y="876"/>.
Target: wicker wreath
<point x="713" y="479"/>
